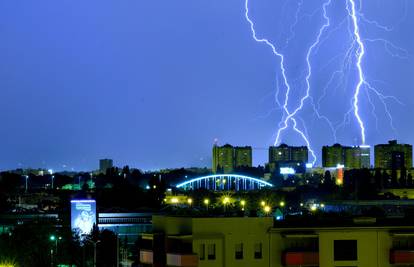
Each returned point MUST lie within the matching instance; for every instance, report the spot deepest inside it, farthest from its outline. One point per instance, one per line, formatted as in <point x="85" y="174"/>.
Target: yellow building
<point x="226" y="158"/>
<point x="252" y="241"/>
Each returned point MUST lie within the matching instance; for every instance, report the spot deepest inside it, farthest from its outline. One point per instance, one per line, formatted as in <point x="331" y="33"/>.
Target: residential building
<point x="105" y="164"/>
<point x="258" y="241"/>
<point x="243" y="157"/>
<point x="393" y="156"/>
<point x="226" y="158"/>
<point x="284" y="156"/>
<point x="283" y="153"/>
<point x="351" y="157"/>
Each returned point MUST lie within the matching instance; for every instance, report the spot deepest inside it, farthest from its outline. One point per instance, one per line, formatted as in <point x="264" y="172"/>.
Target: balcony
<point x="182" y="260"/>
<point x="300" y="258"/>
<point x="401" y="256"/>
<point x="146" y="256"/>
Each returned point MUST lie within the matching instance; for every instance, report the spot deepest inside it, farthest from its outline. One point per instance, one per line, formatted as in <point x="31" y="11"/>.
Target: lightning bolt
<point x="359" y="54"/>
<point x="362" y="82"/>
<point x="353" y="60"/>
<point x="290" y="116"/>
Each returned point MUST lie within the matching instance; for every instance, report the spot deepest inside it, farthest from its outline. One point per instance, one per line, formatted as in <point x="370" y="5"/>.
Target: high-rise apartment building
<point x="292" y="158"/>
<point x="284" y="153"/>
<point x="365" y="156"/>
<point x="243" y="156"/>
<point x="393" y="156"/>
<point x="226" y="158"/>
<point x="351" y="157"/>
<point x="105" y="164"/>
<point x="332" y="156"/>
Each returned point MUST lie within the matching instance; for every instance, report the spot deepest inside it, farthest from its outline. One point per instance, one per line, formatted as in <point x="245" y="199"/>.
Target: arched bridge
<point x="224" y="182"/>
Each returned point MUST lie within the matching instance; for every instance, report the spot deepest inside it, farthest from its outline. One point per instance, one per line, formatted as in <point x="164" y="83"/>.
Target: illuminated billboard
<point x="83" y="215"/>
<point x="287" y="170"/>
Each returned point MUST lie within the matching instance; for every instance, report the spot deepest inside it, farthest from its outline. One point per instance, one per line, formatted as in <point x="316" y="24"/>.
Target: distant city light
<point x="174" y="200"/>
<point x="206" y="201"/>
<point x="190" y="201"/>
<point x="262" y="203"/>
<point x="282" y="203"/>
<point x="287" y="170"/>
<point x="267" y="209"/>
<point x="340" y="166"/>
<point x="226" y="200"/>
<point x="309" y="165"/>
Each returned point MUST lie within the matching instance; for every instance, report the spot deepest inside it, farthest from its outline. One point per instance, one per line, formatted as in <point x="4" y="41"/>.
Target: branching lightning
<point x="359" y="54"/>
<point x="353" y="59"/>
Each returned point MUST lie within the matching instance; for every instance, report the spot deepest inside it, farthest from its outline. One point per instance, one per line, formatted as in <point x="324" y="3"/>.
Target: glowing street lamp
<point x="267" y="209"/>
<point x="174" y="200"/>
<point x="206" y="202"/>
<point x="243" y="203"/>
<point x="27" y="178"/>
<point x="282" y="203"/>
<point x="262" y="203"/>
<point x="190" y="201"/>
<point x="55" y="239"/>
<point x="226" y="201"/>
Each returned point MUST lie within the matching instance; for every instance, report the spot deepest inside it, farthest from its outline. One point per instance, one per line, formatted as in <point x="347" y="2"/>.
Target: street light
<point x="206" y="202"/>
<point x="27" y="177"/>
<point x="190" y="201"/>
<point x="243" y="203"/>
<point x="282" y="203"/>
<point x="226" y="201"/>
<point x="267" y="209"/>
<point x="55" y="239"/>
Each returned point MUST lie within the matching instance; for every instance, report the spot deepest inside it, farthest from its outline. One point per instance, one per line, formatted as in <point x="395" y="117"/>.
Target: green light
<point x="52" y="238"/>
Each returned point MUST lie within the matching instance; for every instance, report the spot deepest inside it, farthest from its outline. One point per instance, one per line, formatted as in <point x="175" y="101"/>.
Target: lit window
<point x="258" y="250"/>
<point x="239" y="251"/>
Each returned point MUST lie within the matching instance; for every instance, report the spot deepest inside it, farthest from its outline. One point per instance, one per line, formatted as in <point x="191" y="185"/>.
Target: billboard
<point x="83" y="215"/>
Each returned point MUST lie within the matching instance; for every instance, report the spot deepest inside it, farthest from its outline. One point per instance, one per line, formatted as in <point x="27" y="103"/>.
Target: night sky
<point x="152" y="83"/>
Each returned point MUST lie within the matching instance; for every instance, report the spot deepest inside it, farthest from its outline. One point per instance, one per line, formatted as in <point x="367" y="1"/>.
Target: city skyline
<point x="153" y="85"/>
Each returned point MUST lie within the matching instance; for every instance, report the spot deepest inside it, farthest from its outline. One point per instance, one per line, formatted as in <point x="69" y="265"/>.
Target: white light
<point x="286" y="170"/>
<point x="309" y="165"/>
<point x="340" y="166"/>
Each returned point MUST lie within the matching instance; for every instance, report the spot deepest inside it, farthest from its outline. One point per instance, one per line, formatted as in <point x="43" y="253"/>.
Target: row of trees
<point x="40" y="244"/>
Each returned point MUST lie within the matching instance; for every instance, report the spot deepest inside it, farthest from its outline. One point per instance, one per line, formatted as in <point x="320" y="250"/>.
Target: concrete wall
<point x="226" y="233"/>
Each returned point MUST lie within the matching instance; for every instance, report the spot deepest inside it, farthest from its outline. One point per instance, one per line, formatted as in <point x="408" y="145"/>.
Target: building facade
<point x="226" y="158"/>
<point x="243" y="157"/>
<point x="283" y="156"/>
<point x="105" y="164"/>
<point x="393" y="156"/>
<point x="285" y="153"/>
<point x="249" y="241"/>
<point x="351" y="157"/>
